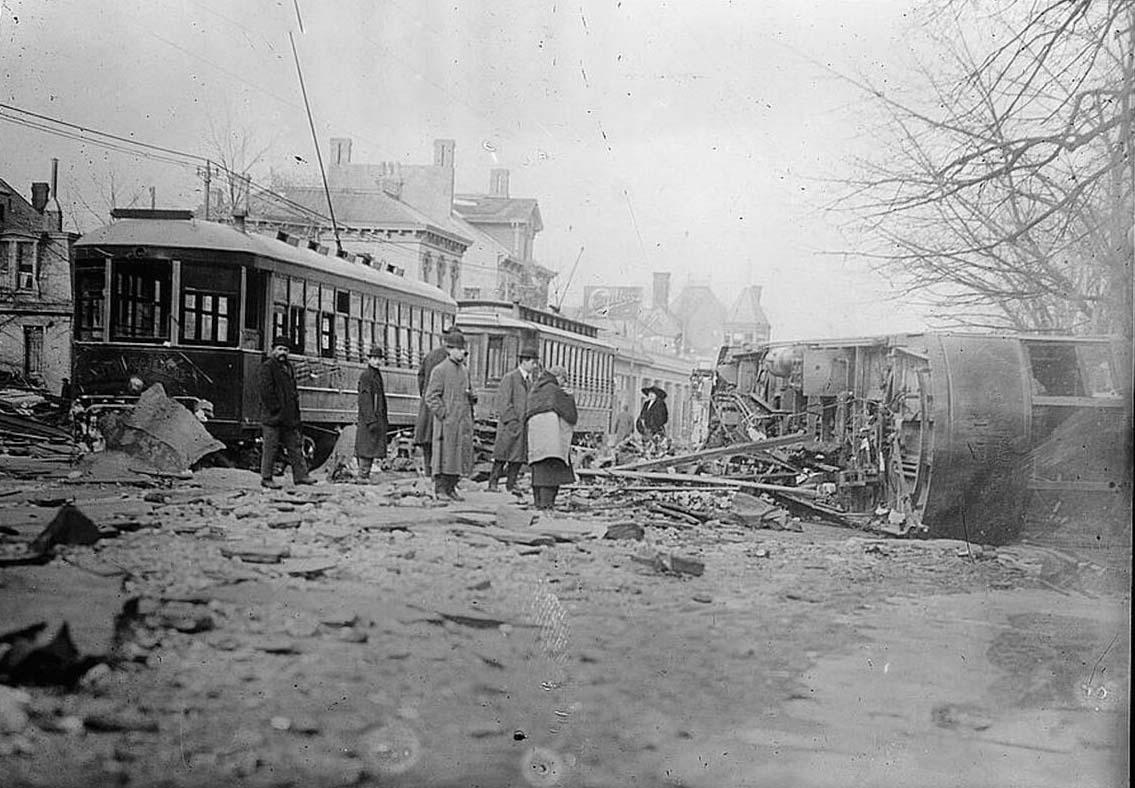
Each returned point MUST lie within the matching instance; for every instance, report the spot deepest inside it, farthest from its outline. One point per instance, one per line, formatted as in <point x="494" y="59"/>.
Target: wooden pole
<point x="737" y="448"/>
<point x="612" y="473"/>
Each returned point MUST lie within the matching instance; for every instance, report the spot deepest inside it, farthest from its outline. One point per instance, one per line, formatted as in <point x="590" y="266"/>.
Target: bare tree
<point x="238" y="149"/>
<point x="1002" y="190"/>
<point x="102" y="195"/>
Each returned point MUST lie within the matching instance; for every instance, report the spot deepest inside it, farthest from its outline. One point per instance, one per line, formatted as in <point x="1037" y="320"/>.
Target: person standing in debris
<point x="624" y="424"/>
<point x="652" y="418"/>
<point x="370" y="436"/>
<point x="280" y="416"/>
<point x="550" y="421"/>
<point x="510" y="449"/>
<point x="423" y="425"/>
<point x="449" y="399"/>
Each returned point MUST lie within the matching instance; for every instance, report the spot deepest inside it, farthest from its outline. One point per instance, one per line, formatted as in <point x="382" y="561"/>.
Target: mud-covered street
<point x="351" y="634"/>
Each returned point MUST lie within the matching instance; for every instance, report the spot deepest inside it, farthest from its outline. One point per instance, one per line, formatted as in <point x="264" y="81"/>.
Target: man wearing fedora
<point x="370" y="435"/>
<point x="652" y="418"/>
<point x="450" y="401"/>
<point x="510" y="449"/>
<point x="280" y="416"/>
<point x="423" y="425"/>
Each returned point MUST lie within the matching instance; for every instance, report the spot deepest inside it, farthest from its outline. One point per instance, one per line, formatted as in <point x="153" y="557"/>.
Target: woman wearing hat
<point x="551" y="418"/>
<point x="449" y="398"/>
<point x="652" y="418"/>
<point x="370" y="437"/>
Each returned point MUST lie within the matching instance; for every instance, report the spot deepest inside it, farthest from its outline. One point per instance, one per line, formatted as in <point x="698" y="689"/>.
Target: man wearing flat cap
<point x="652" y="418"/>
<point x="280" y="416"/>
<point x="370" y="436"/>
<point x="510" y="449"/>
<point x="450" y="399"/>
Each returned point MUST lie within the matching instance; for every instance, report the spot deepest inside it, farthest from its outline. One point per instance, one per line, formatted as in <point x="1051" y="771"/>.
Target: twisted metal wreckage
<point x="935" y="434"/>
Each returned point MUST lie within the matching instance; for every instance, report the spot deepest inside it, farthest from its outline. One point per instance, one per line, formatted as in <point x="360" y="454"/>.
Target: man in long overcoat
<point x="450" y="400"/>
<point x="423" y="425"/>
<point x="510" y="449"/>
<point x="370" y="436"/>
<point x="280" y="416"/>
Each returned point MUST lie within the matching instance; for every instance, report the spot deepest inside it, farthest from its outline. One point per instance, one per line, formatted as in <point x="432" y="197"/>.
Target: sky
<point x="698" y="137"/>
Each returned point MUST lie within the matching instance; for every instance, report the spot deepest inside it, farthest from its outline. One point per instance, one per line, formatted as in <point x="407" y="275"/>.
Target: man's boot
<point x="495" y="475"/>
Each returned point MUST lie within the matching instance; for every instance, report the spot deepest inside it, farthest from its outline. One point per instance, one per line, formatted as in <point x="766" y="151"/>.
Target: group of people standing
<point x="536" y="417"/>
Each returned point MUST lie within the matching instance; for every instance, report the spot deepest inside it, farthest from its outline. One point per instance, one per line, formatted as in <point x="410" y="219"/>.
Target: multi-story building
<point x="35" y="286"/>
<point x="512" y="223"/>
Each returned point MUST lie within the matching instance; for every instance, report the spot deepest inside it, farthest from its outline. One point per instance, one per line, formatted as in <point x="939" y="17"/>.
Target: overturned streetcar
<point x="944" y="434"/>
<point x="164" y="298"/>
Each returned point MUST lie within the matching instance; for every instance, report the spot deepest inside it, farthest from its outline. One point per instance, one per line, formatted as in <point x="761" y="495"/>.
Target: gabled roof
<point x="483" y="209"/>
<point x="693" y="298"/>
<point x="747" y="308"/>
<point x="353" y="208"/>
<point x="479" y="236"/>
<point x="21" y="216"/>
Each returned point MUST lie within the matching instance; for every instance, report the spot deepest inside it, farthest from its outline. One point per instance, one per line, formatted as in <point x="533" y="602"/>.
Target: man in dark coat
<point x="370" y="436"/>
<point x="510" y="449"/>
<point x="654" y="414"/>
<point x="423" y="425"/>
<point x="280" y="416"/>
<point x="449" y="398"/>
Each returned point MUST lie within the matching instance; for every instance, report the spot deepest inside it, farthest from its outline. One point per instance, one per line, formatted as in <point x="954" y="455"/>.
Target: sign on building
<point x="615" y="303"/>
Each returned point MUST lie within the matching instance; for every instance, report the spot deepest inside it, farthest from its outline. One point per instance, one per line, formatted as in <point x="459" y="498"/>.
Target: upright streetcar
<point x="495" y="331"/>
<point x="166" y="298"/>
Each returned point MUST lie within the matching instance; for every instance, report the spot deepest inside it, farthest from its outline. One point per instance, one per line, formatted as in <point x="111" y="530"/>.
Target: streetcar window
<point x="208" y="305"/>
<point x="310" y="319"/>
<point x="1055" y="370"/>
<point x="89" y="302"/>
<point x="254" y="302"/>
<point x="494" y="359"/>
<point x="141" y="301"/>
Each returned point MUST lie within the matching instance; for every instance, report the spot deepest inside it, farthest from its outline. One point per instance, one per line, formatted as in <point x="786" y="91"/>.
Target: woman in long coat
<point x="370" y="435"/>
<point x="551" y="419"/>
<point x="450" y="400"/>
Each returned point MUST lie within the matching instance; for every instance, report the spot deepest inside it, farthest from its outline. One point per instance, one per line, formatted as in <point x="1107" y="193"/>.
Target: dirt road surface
<point x="361" y="635"/>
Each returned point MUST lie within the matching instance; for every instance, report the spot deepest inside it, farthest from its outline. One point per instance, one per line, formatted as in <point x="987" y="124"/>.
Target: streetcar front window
<point x="208" y="304"/>
<point x="140" y="301"/>
<point x="90" y="302"/>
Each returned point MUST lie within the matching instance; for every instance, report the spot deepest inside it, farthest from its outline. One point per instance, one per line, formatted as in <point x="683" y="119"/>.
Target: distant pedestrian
<point x="510" y="449"/>
<point x="449" y="399"/>
<point x="654" y="415"/>
<point x="624" y="423"/>
<point x="370" y="437"/>
<point x="280" y="416"/>
<point x="551" y="419"/>
<point x="423" y="425"/>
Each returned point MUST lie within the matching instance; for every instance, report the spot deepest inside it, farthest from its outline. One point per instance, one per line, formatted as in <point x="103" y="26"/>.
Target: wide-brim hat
<point x="376" y="351"/>
<point x="455" y="339"/>
<point x="281" y="341"/>
<point x="647" y="389"/>
<point x="528" y="351"/>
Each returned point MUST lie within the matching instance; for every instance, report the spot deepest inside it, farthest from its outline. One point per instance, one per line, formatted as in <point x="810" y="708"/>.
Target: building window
<point x="441" y="274"/>
<point x="25" y="266"/>
<point x="33" y="352"/>
<point x="472" y="293"/>
<point x="427" y="267"/>
<point x="141" y="301"/>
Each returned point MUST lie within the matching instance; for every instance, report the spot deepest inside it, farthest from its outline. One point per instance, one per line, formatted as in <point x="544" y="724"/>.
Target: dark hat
<point x="376" y="351"/>
<point x="647" y="389"/>
<point x="455" y="339"/>
<point x="528" y="350"/>
<point x="281" y="341"/>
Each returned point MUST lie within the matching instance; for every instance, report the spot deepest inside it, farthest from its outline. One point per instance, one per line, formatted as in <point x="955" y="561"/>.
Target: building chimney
<point x="40" y="191"/>
<point x="662" y="290"/>
<point x="498" y="183"/>
<point x="443" y="153"/>
<point x="340" y="150"/>
<point x="53" y="214"/>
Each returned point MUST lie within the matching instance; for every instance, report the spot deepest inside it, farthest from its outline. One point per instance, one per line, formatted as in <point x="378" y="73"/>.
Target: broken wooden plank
<point x="723" y="451"/>
<point x="694" y="479"/>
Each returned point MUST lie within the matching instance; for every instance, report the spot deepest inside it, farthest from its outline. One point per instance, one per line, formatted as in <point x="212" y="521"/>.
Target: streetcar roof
<point x="495" y="319"/>
<point x="197" y="234"/>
